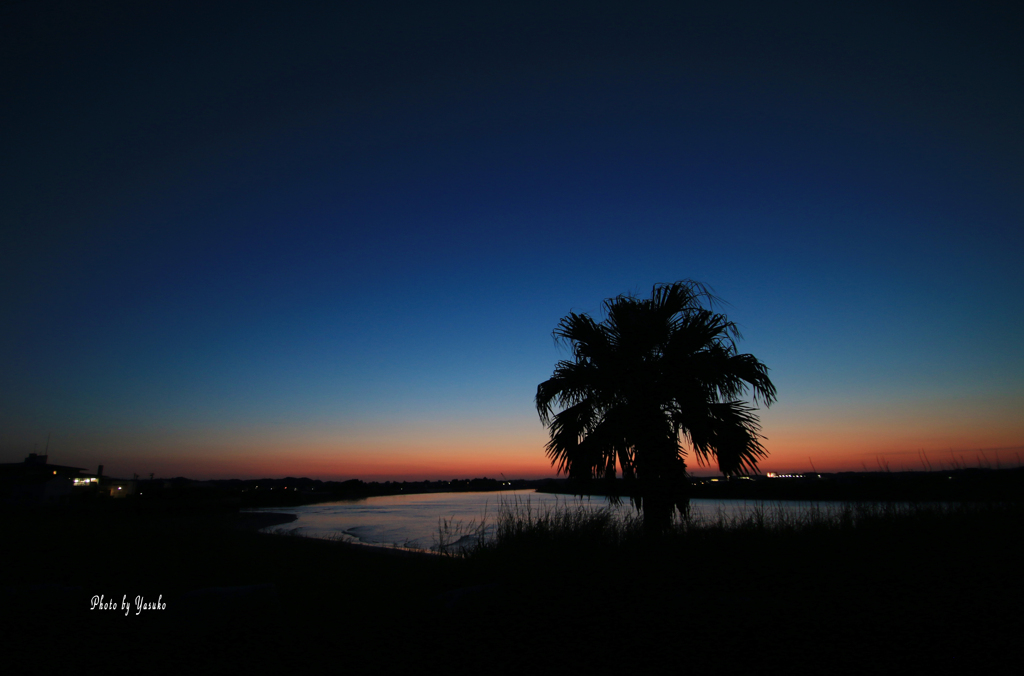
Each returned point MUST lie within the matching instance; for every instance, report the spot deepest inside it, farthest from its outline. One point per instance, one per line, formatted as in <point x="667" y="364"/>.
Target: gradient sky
<point x="255" y="239"/>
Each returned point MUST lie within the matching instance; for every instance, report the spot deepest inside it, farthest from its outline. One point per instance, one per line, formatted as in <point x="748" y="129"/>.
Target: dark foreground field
<point x="926" y="596"/>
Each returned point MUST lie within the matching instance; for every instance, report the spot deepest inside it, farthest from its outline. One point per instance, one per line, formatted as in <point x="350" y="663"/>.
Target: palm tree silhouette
<point x="654" y="374"/>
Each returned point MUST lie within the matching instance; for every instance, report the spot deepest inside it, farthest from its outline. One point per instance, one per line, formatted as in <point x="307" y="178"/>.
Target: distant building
<point x="35" y="481"/>
<point x="117" y="488"/>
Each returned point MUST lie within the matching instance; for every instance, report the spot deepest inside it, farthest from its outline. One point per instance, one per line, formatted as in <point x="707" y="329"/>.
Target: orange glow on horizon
<point x="799" y="455"/>
<point x="800" y="438"/>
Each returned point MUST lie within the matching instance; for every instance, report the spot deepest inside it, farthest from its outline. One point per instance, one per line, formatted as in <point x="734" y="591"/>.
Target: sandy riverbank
<point x="254" y="521"/>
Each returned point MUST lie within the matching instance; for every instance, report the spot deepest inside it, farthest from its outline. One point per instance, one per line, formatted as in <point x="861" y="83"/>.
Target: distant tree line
<point x="291" y="491"/>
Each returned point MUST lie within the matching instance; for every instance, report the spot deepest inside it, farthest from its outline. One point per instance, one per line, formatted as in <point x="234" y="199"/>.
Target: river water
<point x="416" y="521"/>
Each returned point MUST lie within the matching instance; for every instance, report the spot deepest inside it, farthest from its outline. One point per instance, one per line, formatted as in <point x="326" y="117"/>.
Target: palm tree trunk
<point x="657" y="514"/>
<point x="662" y="496"/>
<point x="658" y="505"/>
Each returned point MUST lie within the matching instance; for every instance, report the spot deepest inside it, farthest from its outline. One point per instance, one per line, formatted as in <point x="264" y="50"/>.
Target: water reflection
<point x="412" y="521"/>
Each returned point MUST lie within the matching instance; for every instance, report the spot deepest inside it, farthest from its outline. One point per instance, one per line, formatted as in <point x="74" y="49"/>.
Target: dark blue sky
<point x="255" y="239"/>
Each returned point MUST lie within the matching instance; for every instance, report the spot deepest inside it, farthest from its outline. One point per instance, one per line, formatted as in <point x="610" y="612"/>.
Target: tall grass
<point x="521" y="524"/>
<point x="578" y="528"/>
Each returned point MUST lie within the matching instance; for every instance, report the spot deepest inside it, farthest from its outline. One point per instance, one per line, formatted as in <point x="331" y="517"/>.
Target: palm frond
<point x="571" y="383"/>
<point x="728" y="432"/>
<point x="568" y="428"/>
